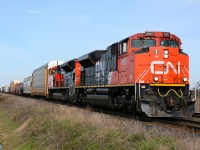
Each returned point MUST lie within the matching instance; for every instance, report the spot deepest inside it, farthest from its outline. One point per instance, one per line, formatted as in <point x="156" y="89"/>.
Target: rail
<point x="196" y="115"/>
<point x="189" y="123"/>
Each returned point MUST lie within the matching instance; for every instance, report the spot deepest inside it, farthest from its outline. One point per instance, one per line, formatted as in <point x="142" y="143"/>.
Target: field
<point x="33" y="124"/>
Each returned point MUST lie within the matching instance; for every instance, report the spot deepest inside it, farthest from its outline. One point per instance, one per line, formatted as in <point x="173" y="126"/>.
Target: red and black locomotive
<point x="144" y="73"/>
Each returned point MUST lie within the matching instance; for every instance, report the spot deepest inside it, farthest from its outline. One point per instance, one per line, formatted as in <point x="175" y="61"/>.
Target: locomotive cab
<point x="163" y="87"/>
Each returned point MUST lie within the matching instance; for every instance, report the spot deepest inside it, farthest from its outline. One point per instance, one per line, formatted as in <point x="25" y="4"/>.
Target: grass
<point x="156" y="143"/>
<point x="31" y="124"/>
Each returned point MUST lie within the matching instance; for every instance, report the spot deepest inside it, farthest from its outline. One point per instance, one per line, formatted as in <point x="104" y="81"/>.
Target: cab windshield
<point x="170" y="43"/>
<point x="141" y="43"/>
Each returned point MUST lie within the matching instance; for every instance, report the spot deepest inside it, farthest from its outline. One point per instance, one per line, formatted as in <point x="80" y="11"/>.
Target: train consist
<point x="147" y="73"/>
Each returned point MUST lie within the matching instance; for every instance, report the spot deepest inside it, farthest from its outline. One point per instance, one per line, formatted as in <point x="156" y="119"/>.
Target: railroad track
<point x="196" y="115"/>
<point x="190" y="124"/>
<point x="186" y="123"/>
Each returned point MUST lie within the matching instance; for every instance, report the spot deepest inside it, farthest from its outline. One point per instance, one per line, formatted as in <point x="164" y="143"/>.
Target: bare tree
<point x="198" y="89"/>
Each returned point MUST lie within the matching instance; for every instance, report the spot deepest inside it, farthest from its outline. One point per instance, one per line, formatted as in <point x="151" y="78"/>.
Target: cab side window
<point x="123" y="47"/>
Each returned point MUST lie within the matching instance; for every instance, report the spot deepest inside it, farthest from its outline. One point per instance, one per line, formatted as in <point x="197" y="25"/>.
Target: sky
<point x="34" y="32"/>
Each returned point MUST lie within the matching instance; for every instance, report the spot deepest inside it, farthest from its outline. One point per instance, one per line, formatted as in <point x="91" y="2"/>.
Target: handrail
<point x="140" y="82"/>
<point x="143" y="73"/>
<point x="136" y="82"/>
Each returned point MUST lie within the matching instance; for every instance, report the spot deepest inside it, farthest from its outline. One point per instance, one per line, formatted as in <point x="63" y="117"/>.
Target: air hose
<point x="164" y="95"/>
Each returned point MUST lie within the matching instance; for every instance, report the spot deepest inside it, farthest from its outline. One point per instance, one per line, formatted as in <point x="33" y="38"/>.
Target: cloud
<point x="34" y="12"/>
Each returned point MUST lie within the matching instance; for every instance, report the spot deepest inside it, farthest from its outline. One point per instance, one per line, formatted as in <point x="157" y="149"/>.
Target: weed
<point x="136" y="137"/>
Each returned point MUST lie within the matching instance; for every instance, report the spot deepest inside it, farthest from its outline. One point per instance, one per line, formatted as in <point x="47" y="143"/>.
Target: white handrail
<point x="138" y="79"/>
<point x="140" y="82"/>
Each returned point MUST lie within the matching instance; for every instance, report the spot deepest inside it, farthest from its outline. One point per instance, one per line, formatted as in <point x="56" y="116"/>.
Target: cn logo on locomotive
<point x="166" y="70"/>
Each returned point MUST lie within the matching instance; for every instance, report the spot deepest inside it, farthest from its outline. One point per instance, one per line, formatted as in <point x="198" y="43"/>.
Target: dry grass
<point x="3" y="97"/>
<point x="47" y="125"/>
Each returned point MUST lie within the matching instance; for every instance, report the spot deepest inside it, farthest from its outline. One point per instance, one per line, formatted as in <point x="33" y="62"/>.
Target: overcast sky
<point x="33" y="32"/>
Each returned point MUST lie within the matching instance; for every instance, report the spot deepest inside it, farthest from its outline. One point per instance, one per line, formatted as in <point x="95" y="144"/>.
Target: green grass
<point x="7" y="123"/>
<point x="156" y="143"/>
<point x="137" y="137"/>
<point x="8" y="126"/>
<point x="70" y="134"/>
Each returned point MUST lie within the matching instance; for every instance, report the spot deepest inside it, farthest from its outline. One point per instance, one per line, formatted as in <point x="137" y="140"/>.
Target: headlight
<point x="165" y="56"/>
<point x="156" y="79"/>
<point x="166" y="52"/>
<point x="185" y="79"/>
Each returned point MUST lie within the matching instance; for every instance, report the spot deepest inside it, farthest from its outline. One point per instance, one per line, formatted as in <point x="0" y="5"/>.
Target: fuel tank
<point x="100" y="100"/>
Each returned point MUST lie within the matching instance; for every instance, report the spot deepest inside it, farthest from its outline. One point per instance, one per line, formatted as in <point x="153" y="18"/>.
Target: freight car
<point x="6" y="89"/>
<point x="27" y="85"/>
<point x="145" y="73"/>
<point x="13" y="85"/>
<point x="18" y="89"/>
<point x="40" y="79"/>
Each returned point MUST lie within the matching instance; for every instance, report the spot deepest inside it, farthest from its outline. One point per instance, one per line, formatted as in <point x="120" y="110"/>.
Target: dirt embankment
<point x="33" y="124"/>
